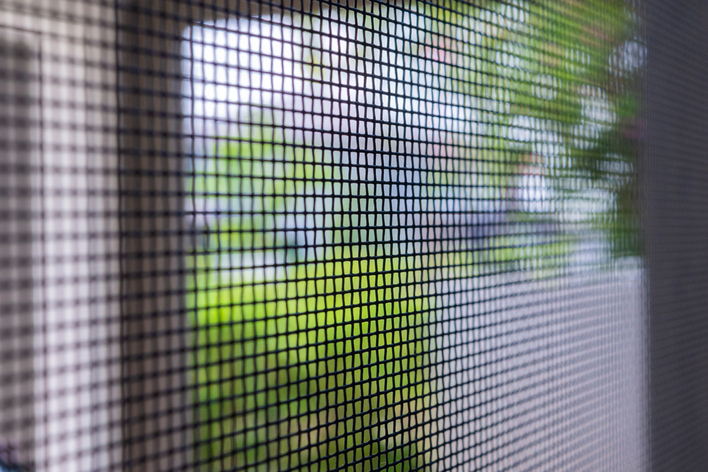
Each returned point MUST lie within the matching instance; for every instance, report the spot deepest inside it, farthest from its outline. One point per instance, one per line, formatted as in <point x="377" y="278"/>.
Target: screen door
<point x="330" y="236"/>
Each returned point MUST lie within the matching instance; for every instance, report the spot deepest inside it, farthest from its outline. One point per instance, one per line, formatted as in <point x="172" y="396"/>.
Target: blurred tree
<point x="555" y="89"/>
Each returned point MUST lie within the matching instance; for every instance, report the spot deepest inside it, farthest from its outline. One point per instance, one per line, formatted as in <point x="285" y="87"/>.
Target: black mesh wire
<point x="321" y="236"/>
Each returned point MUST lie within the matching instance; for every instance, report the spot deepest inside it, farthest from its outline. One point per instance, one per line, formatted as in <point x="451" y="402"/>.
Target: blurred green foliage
<point x="557" y="85"/>
<point x="291" y="365"/>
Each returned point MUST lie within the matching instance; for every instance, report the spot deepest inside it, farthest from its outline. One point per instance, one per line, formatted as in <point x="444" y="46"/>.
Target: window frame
<point x="23" y="48"/>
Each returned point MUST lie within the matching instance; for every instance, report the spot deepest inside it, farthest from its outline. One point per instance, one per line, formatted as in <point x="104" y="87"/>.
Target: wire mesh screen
<point x="321" y="236"/>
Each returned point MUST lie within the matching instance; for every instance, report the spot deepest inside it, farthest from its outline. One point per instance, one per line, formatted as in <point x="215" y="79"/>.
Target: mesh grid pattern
<point x="321" y="236"/>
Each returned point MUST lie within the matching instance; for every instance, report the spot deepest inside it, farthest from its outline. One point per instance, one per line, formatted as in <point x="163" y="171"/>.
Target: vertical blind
<point x="343" y="236"/>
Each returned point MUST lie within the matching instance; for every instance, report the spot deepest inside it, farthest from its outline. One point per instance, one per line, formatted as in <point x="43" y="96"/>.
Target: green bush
<point x="323" y="366"/>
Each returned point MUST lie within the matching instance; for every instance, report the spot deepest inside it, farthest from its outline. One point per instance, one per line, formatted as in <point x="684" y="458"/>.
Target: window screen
<point x="322" y="236"/>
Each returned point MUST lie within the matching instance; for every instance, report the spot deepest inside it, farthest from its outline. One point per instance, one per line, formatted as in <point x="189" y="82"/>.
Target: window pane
<point x="392" y="212"/>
